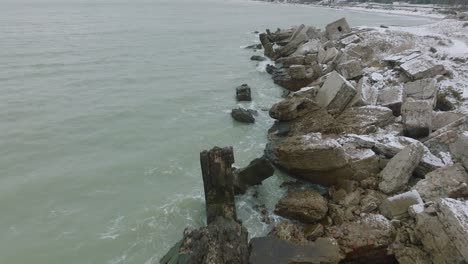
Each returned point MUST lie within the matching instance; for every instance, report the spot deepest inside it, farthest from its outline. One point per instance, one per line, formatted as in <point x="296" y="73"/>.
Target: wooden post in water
<point x="216" y="165"/>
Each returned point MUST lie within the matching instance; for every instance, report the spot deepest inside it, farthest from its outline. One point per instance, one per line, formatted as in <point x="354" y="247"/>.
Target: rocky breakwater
<point x="370" y="117"/>
<point x="366" y="117"/>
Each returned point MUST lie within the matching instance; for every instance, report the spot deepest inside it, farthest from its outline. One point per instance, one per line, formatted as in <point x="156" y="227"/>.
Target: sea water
<point x="104" y="108"/>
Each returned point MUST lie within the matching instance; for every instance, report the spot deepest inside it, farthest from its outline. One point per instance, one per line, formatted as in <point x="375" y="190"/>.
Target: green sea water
<point x="104" y="108"/>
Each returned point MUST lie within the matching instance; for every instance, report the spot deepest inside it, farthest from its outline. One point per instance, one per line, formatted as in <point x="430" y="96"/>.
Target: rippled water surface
<point x="104" y="108"/>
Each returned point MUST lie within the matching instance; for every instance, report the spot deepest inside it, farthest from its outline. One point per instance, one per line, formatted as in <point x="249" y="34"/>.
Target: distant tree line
<point x="436" y="2"/>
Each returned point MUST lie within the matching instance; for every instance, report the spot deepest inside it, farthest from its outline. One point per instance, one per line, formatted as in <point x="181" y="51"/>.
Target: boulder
<point x="311" y="157"/>
<point x="361" y="119"/>
<point x="396" y="207"/>
<point x="369" y="232"/>
<point x="417" y="117"/>
<point x="350" y="39"/>
<point x="441" y="182"/>
<point x="398" y="59"/>
<point x="258" y="58"/>
<point x="222" y="241"/>
<point x="351" y="69"/>
<point x="389" y="146"/>
<point x="311" y="58"/>
<point x="243" y="93"/>
<point x="421" y="68"/>
<point x="291" y="60"/>
<point x="325" y="56"/>
<point x="411" y="255"/>
<point x="335" y="93"/>
<point x="306" y="206"/>
<point x="257" y="171"/>
<point x="243" y="115"/>
<point x="364" y="163"/>
<point x="267" y="250"/>
<point x="288" y="231"/>
<point x="459" y="148"/>
<point x="366" y="93"/>
<point x="337" y="29"/>
<point x="443" y="231"/>
<point x="400" y="168"/>
<point x="312" y="46"/>
<point x="391" y="97"/>
<point x="292" y="45"/>
<point x="292" y="107"/>
<point x="425" y="89"/>
<point x="441" y="119"/>
<point x="297" y="72"/>
<point x="371" y="201"/>
<point x="254" y="46"/>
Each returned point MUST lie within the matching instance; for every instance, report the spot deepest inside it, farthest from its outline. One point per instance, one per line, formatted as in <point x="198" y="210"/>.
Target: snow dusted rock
<point x="417" y="117"/>
<point x="310" y="157"/>
<point x="364" y="163"/>
<point x="403" y="57"/>
<point x="351" y="69"/>
<point x="425" y="89"/>
<point x="459" y="148"/>
<point x="441" y="182"/>
<point x="389" y="146"/>
<point x="396" y="207"/>
<point x="266" y="250"/>
<point x="292" y="107"/>
<point x="350" y="39"/>
<point x="366" y="93"/>
<point x="311" y="46"/>
<point x="335" y="93"/>
<point x="370" y="231"/>
<point x="441" y="119"/>
<point x="443" y="230"/>
<point x="306" y="206"/>
<point x="400" y="168"/>
<point x="337" y="29"/>
<point x="421" y="68"/>
<point x="362" y="119"/>
<point x="376" y="77"/>
<point x="362" y="141"/>
<point x="325" y="56"/>
<point x="391" y="97"/>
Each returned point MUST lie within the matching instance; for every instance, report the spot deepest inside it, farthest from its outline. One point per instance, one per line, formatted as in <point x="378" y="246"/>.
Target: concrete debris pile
<point x="366" y="119"/>
<point x="363" y="119"/>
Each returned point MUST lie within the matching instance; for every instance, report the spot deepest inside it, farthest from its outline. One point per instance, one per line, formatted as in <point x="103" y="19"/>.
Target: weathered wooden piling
<point x="218" y="182"/>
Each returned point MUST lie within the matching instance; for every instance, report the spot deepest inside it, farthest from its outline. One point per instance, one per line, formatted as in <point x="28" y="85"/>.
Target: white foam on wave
<point x="113" y="229"/>
<point x="261" y="66"/>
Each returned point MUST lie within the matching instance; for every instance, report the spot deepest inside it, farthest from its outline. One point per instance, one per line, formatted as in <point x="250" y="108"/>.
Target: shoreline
<point x="377" y="116"/>
<point x="350" y="7"/>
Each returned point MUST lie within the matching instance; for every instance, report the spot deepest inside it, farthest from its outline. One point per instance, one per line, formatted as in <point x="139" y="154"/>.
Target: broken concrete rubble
<point x="400" y="168"/>
<point x="366" y="93"/>
<point x="441" y="182"/>
<point x="425" y="89"/>
<point x="417" y="117"/>
<point x="391" y="97"/>
<point x="337" y="29"/>
<point x="266" y="250"/>
<point x="335" y="93"/>
<point x="421" y="68"/>
<point x="443" y="230"/>
<point x="306" y="206"/>
<point x="351" y="69"/>
<point x="396" y="207"/>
